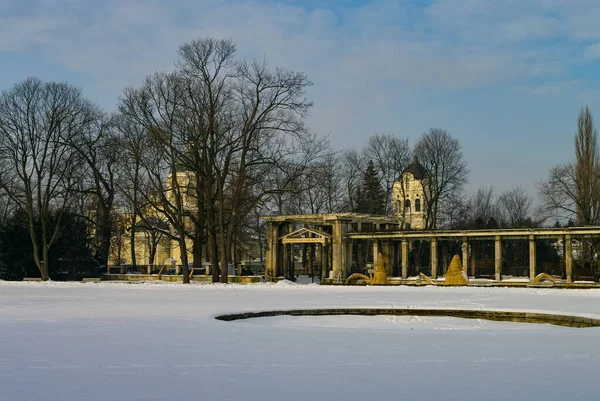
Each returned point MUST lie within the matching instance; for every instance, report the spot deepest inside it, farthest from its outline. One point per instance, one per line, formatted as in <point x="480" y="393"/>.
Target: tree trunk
<point x="45" y="261"/>
<point x="224" y="250"/>
<point x="197" y="250"/>
<point x="214" y="256"/>
<point x="153" y="248"/>
<point x="132" y="241"/>
<point x="184" y="258"/>
<point x="105" y="235"/>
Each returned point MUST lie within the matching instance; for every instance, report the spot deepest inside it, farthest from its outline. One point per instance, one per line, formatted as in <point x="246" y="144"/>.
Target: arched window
<point x="407" y="205"/>
<point x="418" y="205"/>
<point x="398" y="206"/>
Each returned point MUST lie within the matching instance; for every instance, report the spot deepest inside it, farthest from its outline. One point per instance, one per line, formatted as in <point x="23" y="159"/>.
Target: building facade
<point x="408" y="197"/>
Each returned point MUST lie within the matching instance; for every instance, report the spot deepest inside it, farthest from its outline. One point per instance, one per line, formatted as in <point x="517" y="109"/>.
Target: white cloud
<point x="364" y="61"/>
<point x="23" y="32"/>
<point x="381" y="41"/>
<point x="592" y="51"/>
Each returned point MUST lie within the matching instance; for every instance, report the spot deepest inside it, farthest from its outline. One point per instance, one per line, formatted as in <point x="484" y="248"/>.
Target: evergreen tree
<point x="370" y="195"/>
<point x="71" y="257"/>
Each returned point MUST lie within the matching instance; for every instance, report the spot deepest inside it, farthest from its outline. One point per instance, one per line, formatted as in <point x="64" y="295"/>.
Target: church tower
<point x="408" y="196"/>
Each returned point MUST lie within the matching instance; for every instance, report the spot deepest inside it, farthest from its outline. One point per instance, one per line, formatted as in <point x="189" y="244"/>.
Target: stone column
<point x="348" y="258"/>
<point x="375" y="252"/>
<point x="290" y="273"/>
<point x="286" y="260"/>
<point x="434" y="258"/>
<point x="339" y="251"/>
<point x="272" y="249"/>
<point x="389" y="253"/>
<point x="309" y="262"/>
<point x="465" y="255"/>
<point x="404" y="258"/>
<point x="498" y="257"/>
<point x="531" y="257"/>
<point x="325" y="261"/>
<point x="568" y="248"/>
<point x="473" y="258"/>
<point x="322" y="258"/>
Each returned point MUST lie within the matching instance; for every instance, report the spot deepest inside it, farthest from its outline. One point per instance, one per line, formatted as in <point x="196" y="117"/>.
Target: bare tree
<point x="483" y="205"/>
<point x="515" y="207"/>
<point x="97" y="148"/>
<point x="208" y="66"/>
<point x="559" y="193"/>
<point x="442" y="157"/>
<point x="391" y="156"/>
<point x="156" y="107"/>
<point x="271" y="106"/>
<point x="456" y="211"/>
<point x="7" y="207"/>
<point x="318" y="189"/>
<point x="132" y="142"/>
<point x="329" y="181"/>
<point x="37" y="170"/>
<point x="354" y="167"/>
<point x="248" y="116"/>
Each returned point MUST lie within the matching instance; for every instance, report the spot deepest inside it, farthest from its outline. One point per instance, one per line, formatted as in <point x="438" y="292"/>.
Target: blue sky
<point x="505" y="77"/>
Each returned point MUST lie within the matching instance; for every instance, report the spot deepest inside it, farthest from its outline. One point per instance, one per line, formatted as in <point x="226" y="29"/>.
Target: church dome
<point x="416" y="169"/>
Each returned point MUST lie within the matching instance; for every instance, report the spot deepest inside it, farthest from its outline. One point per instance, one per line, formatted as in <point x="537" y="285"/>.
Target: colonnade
<point x="567" y="251"/>
<point x="331" y="239"/>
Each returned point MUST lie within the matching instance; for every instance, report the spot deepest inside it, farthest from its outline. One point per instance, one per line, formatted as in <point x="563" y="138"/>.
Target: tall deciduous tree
<point x="37" y="170"/>
<point x="572" y="190"/>
<point x="97" y="149"/>
<point x="587" y="170"/>
<point x="442" y="157"/>
<point x="157" y="107"/>
<point x="132" y="143"/>
<point x="247" y="116"/>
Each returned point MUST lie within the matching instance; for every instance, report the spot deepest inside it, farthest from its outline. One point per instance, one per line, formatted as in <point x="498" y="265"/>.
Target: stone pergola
<point x="326" y="233"/>
<point x="331" y="237"/>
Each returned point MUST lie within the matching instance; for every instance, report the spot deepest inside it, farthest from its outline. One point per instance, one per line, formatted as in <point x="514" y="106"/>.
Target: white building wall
<point x="409" y="201"/>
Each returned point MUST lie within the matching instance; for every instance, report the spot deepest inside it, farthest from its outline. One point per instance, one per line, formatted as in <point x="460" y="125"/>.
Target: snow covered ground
<point x="114" y="341"/>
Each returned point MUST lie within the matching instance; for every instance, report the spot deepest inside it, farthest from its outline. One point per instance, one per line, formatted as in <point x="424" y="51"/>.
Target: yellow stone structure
<point x="543" y="276"/>
<point x="455" y="274"/>
<point x="427" y="280"/>
<point x="408" y="197"/>
<point x="380" y="276"/>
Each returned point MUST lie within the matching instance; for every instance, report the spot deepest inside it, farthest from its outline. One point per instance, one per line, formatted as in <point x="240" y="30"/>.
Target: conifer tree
<point x="371" y="195"/>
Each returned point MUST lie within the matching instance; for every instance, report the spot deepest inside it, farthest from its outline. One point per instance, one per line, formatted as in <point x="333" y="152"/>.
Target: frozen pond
<point x="113" y="341"/>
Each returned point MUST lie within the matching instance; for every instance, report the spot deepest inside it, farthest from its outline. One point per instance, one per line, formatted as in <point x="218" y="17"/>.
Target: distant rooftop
<point x="416" y="169"/>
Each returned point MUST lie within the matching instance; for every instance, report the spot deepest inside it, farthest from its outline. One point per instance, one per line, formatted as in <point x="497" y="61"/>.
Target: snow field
<point x="152" y="341"/>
